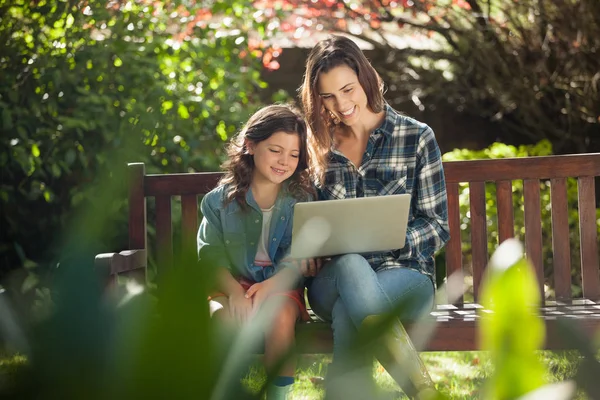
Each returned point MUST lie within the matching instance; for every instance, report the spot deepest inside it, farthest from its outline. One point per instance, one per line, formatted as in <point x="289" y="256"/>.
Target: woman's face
<point x="342" y="94"/>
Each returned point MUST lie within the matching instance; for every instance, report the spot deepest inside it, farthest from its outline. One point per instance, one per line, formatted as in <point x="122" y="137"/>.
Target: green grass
<point x="9" y="365"/>
<point x="459" y="375"/>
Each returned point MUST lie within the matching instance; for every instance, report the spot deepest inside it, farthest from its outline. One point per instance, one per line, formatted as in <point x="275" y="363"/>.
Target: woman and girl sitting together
<point x="352" y="144"/>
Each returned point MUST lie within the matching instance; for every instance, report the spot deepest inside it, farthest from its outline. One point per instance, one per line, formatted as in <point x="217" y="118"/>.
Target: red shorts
<point x="297" y="295"/>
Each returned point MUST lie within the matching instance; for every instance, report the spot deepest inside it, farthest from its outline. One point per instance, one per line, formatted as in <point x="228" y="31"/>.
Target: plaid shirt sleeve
<point x="428" y="231"/>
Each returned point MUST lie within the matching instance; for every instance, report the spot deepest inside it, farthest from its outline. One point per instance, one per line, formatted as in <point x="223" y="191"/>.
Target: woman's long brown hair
<point x="326" y="55"/>
<point x="239" y="167"/>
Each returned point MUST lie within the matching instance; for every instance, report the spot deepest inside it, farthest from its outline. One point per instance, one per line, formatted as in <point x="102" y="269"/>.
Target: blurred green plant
<point x="169" y="81"/>
<point x="510" y="327"/>
<point x="500" y="150"/>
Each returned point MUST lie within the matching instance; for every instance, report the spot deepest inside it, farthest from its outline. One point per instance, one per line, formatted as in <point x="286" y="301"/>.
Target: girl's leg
<point x="280" y="338"/>
<point x="225" y="327"/>
<point x="279" y="341"/>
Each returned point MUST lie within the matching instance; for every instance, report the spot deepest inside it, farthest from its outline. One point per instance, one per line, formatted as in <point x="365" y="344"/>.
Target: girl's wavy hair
<point x="326" y="55"/>
<point x="262" y="125"/>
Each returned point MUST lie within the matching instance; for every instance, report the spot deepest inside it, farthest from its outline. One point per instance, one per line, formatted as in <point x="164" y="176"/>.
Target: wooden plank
<point x="506" y="219"/>
<point x="533" y="228"/>
<point x="547" y="167"/>
<point x="164" y="234"/>
<point x="589" y="238"/>
<point x="458" y="332"/>
<point x="560" y="239"/>
<point x="478" y="233"/>
<point x="137" y="206"/>
<point x="181" y="184"/>
<point x="189" y="224"/>
<point x="453" y="248"/>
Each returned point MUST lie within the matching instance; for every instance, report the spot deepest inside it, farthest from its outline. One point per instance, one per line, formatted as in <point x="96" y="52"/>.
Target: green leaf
<point x="166" y="106"/>
<point x="70" y="156"/>
<point x="56" y="171"/>
<point x="35" y="151"/>
<point x="183" y="111"/>
<point x="6" y="119"/>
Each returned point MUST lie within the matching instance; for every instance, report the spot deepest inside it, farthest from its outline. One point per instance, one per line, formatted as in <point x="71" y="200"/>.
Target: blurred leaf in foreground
<point x="510" y="327"/>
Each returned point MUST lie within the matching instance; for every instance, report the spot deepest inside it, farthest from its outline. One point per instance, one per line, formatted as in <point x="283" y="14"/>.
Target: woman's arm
<point x="428" y="231"/>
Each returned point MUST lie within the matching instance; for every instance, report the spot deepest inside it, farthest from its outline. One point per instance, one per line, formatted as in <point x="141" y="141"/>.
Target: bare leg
<point x="280" y="338"/>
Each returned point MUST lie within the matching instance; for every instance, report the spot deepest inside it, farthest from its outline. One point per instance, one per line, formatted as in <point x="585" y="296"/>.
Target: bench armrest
<point x="129" y="263"/>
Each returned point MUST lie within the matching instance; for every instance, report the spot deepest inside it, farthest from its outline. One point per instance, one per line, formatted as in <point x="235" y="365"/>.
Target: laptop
<point x="357" y="225"/>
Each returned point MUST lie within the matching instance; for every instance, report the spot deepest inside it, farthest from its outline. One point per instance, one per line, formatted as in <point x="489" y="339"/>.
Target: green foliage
<point x="500" y="150"/>
<point x="511" y="330"/>
<point x="81" y="81"/>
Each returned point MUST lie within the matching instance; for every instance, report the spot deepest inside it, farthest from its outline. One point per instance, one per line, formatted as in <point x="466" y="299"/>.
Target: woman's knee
<point x="351" y="264"/>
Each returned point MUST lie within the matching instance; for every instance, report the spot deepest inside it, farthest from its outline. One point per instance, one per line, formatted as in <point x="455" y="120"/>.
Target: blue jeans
<point x="347" y="290"/>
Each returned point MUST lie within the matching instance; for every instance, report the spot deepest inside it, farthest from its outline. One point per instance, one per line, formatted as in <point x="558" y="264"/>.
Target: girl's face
<point x="342" y="94"/>
<point x="276" y="158"/>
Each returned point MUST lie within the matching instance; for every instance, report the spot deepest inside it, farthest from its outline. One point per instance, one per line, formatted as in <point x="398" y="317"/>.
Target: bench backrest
<point x="534" y="172"/>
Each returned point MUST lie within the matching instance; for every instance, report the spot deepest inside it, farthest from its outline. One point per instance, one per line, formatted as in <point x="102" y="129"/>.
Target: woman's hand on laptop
<point x="310" y="266"/>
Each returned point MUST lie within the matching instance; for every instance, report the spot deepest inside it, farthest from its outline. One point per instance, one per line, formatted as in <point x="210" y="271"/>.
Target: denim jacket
<point x="228" y="235"/>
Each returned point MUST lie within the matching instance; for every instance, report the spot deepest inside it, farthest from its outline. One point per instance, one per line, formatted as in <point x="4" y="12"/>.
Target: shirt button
<point x="256" y="221"/>
<point x="283" y="218"/>
<point x="274" y="239"/>
<point x="227" y="242"/>
<point x="251" y="243"/>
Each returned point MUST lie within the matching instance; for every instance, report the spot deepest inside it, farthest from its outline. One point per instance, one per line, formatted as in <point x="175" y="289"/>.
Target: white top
<point x="262" y="255"/>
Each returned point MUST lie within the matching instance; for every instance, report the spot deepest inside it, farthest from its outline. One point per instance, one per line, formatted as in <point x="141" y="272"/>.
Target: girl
<point x="363" y="147"/>
<point x="246" y="230"/>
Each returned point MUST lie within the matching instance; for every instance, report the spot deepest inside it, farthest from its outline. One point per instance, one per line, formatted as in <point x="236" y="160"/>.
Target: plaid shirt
<point x="402" y="156"/>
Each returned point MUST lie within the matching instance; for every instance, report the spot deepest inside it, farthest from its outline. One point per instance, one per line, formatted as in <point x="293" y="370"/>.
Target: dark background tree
<point x="532" y="66"/>
<point x="81" y="82"/>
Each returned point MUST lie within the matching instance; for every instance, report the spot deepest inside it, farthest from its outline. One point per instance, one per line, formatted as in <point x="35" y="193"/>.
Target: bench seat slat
<point x="560" y="239"/>
<point x="456" y="330"/>
<point x="478" y="233"/>
<point x="533" y="228"/>
<point x="589" y="238"/>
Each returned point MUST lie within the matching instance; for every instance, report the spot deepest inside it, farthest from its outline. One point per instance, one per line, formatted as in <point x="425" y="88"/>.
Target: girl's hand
<point x="240" y="307"/>
<point x="259" y="292"/>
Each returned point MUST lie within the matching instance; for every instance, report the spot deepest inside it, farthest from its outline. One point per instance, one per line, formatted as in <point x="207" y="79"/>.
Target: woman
<point x="363" y="147"/>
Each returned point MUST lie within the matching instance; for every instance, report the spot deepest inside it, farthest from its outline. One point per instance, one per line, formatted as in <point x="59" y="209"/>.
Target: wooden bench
<point x="452" y="326"/>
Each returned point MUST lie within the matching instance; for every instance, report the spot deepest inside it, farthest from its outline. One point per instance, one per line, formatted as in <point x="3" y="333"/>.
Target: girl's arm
<point x="227" y="284"/>
<point x="212" y="254"/>
<point x="211" y="247"/>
